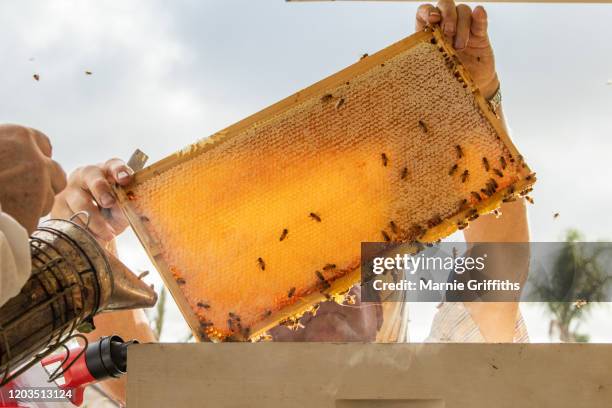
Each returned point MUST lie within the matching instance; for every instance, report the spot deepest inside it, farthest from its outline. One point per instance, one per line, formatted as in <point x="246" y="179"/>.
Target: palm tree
<point x="576" y="283"/>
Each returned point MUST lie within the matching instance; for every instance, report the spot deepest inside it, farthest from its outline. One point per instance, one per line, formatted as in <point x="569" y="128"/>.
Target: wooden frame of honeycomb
<point x="391" y="148"/>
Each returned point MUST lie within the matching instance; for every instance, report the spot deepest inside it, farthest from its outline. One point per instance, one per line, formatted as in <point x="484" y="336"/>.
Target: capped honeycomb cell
<point x="259" y="222"/>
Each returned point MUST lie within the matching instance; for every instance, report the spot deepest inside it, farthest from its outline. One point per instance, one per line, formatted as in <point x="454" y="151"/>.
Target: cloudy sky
<point x="168" y="73"/>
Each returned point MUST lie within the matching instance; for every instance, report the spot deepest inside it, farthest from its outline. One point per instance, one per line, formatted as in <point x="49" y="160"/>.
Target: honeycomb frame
<point x="343" y="283"/>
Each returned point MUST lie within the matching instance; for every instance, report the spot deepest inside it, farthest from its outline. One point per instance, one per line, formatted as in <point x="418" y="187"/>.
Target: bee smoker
<point x="73" y="279"/>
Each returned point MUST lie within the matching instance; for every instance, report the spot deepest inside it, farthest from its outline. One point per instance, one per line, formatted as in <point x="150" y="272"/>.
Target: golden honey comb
<point x="264" y="219"/>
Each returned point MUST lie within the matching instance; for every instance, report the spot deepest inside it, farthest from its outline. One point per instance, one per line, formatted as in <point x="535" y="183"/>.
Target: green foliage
<point x="577" y="274"/>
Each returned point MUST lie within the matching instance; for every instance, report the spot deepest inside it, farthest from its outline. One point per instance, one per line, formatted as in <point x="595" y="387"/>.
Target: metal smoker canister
<point x="73" y="278"/>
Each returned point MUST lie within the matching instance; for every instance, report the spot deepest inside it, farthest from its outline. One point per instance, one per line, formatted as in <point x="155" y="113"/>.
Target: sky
<point x="165" y="74"/>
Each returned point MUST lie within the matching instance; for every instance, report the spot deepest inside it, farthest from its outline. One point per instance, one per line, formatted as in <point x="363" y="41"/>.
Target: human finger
<point x="464" y="25"/>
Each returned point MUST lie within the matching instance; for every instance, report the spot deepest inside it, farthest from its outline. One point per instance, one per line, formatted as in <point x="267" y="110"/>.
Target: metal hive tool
<point x="257" y="223"/>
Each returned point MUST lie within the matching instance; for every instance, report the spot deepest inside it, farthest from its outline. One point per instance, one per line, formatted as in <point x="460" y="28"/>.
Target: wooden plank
<point x="326" y="375"/>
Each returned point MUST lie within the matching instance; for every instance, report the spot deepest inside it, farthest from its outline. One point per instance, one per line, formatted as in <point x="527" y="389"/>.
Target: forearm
<point x="497" y="320"/>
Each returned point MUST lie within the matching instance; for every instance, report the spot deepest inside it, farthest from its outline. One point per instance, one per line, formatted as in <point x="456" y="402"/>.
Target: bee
<point x="384" y="158"/>
<point x="327" y="97"/>
<point x="462" y="225"/>
<point x="205" y="325"/>
<point x="315" y="217"/>
<point x="509" y="199"/>
<point x="36" y="77"/>
<point x="339" y="103"/>
<point x="459" y="151"/>
<point x="498" y="173"/>
<point x="473" y="215"/>
<point x="203" y="305"/>
<point x="181" y="281"/>
<point x="453" y="169"/>
<point x="437" y="220"/>
<point x="88" y="72"/>
<point x="476" y="196"/>
<point x="580" y="303"/>
<point x="144" y="218"/>
<point x="423" y="126"/>
<point x="262" y="264"/>
<point x="349" y="299"/>
<point x="502" y="161"/>
<point x="329" y="266"/>
<point x="404" y="173"/>
<point x="268" y="313"/>
<point x="393" y="227"/>
<point x="365" y="55"/>
<point x="485" y="163"/>
<point x="493" y="183"/>
<point x="464" y="176"/>
<point x="497" y="213"/>
<point x="463" y="204"/>
<point x="283" y="234"/>
<point x="315" y="309"/>
<point x="291" y="292"/>
<point x="385" y="236"/>
<point x="232" y="315"/>
<point x="130" y="195"/>
<point x="320" y="276"/>
<point x="529" y="177"/>
<point x="556" y="215"/>
<point x="529" y="199"/>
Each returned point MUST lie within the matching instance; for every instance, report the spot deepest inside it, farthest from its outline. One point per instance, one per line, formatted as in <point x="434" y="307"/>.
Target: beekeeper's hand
<point x="466" y="30"/>
<point x="29" y="178"/>
<point x="89" y="189"/>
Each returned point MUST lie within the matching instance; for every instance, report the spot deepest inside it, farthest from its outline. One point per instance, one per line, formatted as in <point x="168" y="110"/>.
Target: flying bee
<point x="203" y="305"/>
<point x="556" y="215"/>
<point x="453" y="169"/>
<point x="283" y="234"/>
<point x="423" y="126"/>
<point x="485" y="163"/>
<point x="464" y="176"/>
<point x="476" y="196"/>
<point x="502" y="161"/>
<point x="385" y="236"/>
<point x="498" y="173"/>
<point x="393" y="227"/>
<point x="339" y="103"/>
<point x="459" y="151"/>
<point x="529" y="199"/>
<point x="329" y="267"/>
<point x="291" y="292"/>
<point x="327" y="97"/>
<point x="315" y="216"/>
<point x="404" y="173"/>
<point x="384" y="158"/>
<point x="262" y="264"/>
<point x="36" y="77"/>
